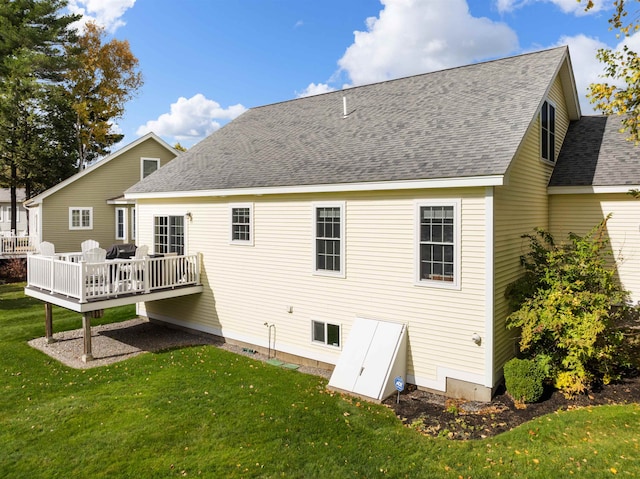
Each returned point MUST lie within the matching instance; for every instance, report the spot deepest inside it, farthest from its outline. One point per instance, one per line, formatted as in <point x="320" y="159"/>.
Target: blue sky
<point x="205" y="61"/>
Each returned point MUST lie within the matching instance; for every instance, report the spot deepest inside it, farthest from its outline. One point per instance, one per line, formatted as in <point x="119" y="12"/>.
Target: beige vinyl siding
<point x="520" y="206"/>
<point x="579" y="214"/>
<point x="93" y="190"/>
<point x="246" y="286"/>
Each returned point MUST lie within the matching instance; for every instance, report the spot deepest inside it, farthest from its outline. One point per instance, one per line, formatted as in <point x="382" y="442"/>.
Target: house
<point x="396" y="203"/>
<point x="597" y="167"/>
<point x="5" y="212"/>
<point x="90" y="204"/>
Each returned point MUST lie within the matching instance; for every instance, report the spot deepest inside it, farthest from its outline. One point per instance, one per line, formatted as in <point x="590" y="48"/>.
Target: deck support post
<point x="86" y="332"/>
<point x="48" y="323"/>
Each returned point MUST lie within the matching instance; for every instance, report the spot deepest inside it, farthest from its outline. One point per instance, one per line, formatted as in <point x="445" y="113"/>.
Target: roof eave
<point x="436" y="183"/>
<point x="590" y="189"/>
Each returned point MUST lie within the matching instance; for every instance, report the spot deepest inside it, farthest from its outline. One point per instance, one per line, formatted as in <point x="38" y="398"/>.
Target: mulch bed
<point x="434" y="415"/>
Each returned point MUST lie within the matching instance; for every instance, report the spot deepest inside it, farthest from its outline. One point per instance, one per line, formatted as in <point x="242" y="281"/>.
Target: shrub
<point x="524" y="379"/>
<point x="13" y="270"/>
<point x="568" y="307"/>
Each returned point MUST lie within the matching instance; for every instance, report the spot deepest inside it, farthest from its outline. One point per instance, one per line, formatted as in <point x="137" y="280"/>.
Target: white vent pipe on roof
<point x="344" y="107"/>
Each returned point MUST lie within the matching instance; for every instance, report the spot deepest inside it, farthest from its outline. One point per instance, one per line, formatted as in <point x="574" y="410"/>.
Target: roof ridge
<point x="416" y="75"/>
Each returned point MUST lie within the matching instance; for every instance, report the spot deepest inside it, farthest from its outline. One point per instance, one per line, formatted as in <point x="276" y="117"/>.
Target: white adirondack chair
<point x="47" y="249"/>
<point x="89" y="244"/>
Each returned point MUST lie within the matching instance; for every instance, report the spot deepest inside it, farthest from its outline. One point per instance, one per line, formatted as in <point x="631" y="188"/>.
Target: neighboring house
<point x="5" y="212"/>
<point x="597" y="167"/>
<point x="90" y="204"/>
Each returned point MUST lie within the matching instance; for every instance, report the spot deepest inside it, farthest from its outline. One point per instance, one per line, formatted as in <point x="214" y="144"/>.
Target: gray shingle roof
<point x="595" y="153"/>
<point x="461" y="122"/>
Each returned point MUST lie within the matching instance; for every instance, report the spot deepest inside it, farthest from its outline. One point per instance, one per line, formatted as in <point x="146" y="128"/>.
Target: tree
<point x="622" y="67"/>
<point x="568" y="307"/>
<point x="105" y="76"/>
<point x="32" y="44"/>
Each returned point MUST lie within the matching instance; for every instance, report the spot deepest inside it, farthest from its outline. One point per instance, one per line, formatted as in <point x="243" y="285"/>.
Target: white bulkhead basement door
<point x="374" y="354"/>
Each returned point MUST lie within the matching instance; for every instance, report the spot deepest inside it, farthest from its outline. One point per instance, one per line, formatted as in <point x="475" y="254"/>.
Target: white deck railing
<point x="16" y="245"/>
<point x="92" y="281"/>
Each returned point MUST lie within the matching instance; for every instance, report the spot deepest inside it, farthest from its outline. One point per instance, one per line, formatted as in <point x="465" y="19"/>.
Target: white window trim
<point x="142" y="160"/>
<point x="134" y="225"/>
<point x="80" y="208"/>
<point x="125" y="220"/>
<point x="555" y="152"/>
<point x="326" y="335"/>
<point x="432" y="283"/>
<point x="236" y="241"/>
<point x="343" y="237"/>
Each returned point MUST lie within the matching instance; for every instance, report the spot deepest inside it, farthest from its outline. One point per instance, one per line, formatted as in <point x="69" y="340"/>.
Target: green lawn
<point x="202" y="411"/>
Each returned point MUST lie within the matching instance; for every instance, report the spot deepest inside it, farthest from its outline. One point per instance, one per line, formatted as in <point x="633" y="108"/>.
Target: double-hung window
<point x="548" y="131"/>
<point x="438" y="243"/>
<point x="80" y="218"/>
<point x="329" y="238"/>
<point x="121" y="224"/>
<point x="168" y="234"/>
<point x="242" y="223"/>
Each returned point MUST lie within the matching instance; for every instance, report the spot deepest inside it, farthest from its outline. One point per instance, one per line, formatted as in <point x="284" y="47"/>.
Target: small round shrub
<point x="524" y="379"/>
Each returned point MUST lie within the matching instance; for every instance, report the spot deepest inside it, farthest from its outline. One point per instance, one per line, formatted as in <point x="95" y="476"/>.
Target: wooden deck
<point x="85" y="287"/>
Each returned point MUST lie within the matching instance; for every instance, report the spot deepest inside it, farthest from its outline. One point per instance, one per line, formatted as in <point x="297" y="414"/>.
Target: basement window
<point x="325" y="333"/>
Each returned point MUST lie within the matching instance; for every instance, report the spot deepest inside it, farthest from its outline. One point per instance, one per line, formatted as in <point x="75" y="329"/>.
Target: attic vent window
<point x="548" y="131"/>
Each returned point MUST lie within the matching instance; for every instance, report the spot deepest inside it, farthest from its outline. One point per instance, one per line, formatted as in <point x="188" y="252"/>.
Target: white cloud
<point x="191" y="119"/>
<point x="315" y="89"/>
<point x="586" y="67"/>
<point x="567" y="6"/>
<point x="107" y="13"/>
<point x="415" y="36"/>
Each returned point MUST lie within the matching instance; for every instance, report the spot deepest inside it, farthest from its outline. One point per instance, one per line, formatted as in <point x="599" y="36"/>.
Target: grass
<point x="205" y="412"/>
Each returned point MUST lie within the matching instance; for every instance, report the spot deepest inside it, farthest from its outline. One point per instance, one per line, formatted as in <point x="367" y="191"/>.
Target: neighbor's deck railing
<point x="93" y="281"/>
<point x="16" y="245"/>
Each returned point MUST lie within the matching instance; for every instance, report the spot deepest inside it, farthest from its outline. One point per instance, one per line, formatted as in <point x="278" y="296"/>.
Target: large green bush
<point x="524" y="379"/>
<point x="567" y="306"/>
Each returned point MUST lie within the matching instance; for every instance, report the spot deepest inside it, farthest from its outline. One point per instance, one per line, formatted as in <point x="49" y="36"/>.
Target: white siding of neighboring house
<point x="246" y="286"/>
<point x="580" y="213"/>
<point x="5" y="217"/>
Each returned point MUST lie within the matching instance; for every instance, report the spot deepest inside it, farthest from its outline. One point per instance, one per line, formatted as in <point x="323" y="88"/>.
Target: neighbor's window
<point x="149" y="165"/>
<point x="325" y="333"/>
<point x="548" y="131"/>
<point x="80" y="218"/>
<point x="168" y="234"/>
<point x="242" y="224"/>
<point x="329" y="238"/>
<point x="121" y="224"/>
<point x="438" y="243"/>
